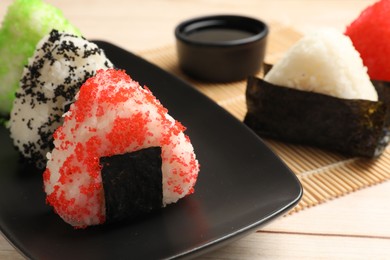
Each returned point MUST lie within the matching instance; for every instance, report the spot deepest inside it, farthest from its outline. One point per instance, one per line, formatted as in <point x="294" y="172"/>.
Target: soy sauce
<point x="218" y="35"/>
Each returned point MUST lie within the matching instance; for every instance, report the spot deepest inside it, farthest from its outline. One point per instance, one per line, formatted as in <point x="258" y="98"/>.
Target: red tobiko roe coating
<point x="370" y="34"/>
<point x="72" y="179"/>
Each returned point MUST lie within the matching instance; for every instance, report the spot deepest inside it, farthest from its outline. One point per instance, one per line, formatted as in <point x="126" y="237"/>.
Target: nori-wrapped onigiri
<point x="114" y="116"/>
<point x="351" y="127"/>
<point x="320" y="94"/>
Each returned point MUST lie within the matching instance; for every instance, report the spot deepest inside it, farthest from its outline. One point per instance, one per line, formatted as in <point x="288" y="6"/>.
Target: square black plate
<point x="241" y="186"/>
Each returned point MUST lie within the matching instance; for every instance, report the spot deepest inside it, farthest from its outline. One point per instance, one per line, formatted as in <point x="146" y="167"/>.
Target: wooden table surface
<point x="356" y="226"/>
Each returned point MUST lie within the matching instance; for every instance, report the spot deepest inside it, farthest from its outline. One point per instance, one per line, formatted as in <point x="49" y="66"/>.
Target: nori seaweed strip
<point x="351" y="127"/>
<point x="132" y="183"/>
<point x="383" y="90"/>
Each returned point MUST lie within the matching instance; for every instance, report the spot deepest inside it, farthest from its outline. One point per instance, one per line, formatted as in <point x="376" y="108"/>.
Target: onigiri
<point x="113" y="124"/>
<point x="61" y="63"/>
<point x="370" y="33"/>
<point x="24" y="25"/>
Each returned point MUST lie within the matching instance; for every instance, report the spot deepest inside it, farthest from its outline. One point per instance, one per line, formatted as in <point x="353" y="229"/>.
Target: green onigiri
<point x="26" y="22"/>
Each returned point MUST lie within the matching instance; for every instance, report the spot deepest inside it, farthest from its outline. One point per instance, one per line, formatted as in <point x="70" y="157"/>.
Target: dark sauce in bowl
<point x="218" y="35"/>
<point x="221" y="48"/>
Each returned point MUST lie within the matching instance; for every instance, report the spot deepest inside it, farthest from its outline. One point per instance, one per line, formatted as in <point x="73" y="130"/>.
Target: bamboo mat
<point x="324" y="175"/>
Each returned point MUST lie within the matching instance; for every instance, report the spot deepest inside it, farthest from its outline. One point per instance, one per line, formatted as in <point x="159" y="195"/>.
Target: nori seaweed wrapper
<point x="383" y="90"/>
<point x="351" y="127"/>
<point x="132" y="183"/>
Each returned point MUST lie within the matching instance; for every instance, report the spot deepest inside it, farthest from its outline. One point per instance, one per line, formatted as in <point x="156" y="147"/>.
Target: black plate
<point x="242" y="185"/>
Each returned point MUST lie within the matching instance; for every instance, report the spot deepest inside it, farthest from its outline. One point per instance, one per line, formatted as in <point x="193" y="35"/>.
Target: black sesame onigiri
<point x="61" y="63"/>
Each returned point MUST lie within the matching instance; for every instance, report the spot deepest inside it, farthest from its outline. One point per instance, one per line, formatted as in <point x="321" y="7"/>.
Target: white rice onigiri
<point x="60" y="65"/>
<point x="324" y="62"/>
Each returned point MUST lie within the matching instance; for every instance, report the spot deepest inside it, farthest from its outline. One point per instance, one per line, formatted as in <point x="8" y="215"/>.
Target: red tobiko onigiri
<point x="370" y="34"/>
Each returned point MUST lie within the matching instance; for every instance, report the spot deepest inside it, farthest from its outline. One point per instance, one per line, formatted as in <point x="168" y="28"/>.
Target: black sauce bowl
<point x="221" y="48"/>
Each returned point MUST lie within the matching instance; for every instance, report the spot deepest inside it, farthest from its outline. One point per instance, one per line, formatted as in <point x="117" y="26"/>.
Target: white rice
<point x="324" y="62"/>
